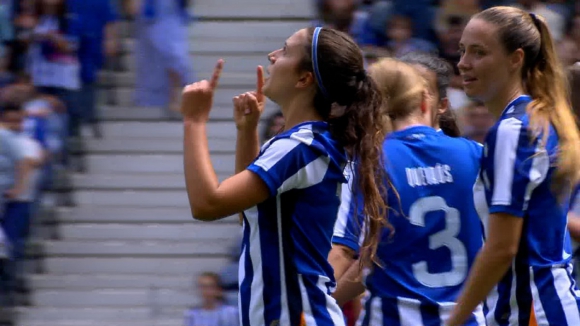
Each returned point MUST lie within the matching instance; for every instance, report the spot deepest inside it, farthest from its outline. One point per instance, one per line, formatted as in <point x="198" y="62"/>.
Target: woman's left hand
<point x="197" y="98"/>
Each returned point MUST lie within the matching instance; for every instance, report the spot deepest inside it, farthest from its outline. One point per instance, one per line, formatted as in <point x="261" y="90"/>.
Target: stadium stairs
<point x="124" y="250"/>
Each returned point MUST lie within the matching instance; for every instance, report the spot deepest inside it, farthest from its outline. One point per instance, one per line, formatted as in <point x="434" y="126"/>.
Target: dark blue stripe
<point x="430" y="314"/>
<point x="317" y="299"/>
<point x="544" y="281"/>
<point x="270" y="260"/>
<point x="294" y="297"/>
<point x="390" y="312"/>
<point x="246" y="284"/>
<point x="366" y="311"/>
<point x="523" y="291"/>
<point x="502" y="307"/>
<point x="523" y="165"/>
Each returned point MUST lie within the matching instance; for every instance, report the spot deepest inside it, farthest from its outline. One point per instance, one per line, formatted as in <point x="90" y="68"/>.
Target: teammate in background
<point x="332" y="112"/>
<point x="530" y="164"/>
<point x="437" y="233"/>
<point x="437" y="72"/>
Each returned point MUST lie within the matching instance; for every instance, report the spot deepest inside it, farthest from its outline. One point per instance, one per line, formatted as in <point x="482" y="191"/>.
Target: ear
<point x="517" y="59"/>
<point x="442" y="106"/>
<point x="305" y="79"/>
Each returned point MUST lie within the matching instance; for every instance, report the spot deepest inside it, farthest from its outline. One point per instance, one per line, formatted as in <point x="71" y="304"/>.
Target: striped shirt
<point x="285" y="278"/>
<point x="517" y="173"/>
<point x="220" y="316"/>
<point x="437" y="232"/>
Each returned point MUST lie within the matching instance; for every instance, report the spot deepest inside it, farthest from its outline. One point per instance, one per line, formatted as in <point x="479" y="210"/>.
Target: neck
<point x="408" y="122"/>
<point x="298" y="110"/>
<point x="498" y="104"/>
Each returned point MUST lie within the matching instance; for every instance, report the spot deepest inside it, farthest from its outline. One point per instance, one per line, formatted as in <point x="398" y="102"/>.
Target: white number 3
<point x="444" y="238"/>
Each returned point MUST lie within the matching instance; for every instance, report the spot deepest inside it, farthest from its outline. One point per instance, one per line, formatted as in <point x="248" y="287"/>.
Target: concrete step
<point x="245" y="30"/>
<point x="161" y="129"/>
<point x="227" y="79"/>
<point x="147" y="145"/>
<point x="166" y="321"/>
<point x="130" y="215"/>
<point x="167" y="181"/>
<point x="162" y="235"/>
<point x="114" y="298"/>
<point x="108" y="281"/>
<point x="153" y="163"/>
<point x="234" y="63"/>
<point x="133" y="198"/>
<point x="144" y="248"/>
<point x="126" y="265"/>
<point x="302" y="9"/>
<point x="123" y="107"/>
<point x="78" y="315"/>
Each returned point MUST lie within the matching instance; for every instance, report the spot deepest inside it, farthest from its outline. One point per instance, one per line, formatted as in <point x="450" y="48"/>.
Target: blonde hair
<point x="545" y="80"/>
<point x="400" y="84"/>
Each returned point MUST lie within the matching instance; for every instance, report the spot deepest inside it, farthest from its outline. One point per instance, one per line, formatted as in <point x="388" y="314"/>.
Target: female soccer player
<point x="425" y="258"/>
<point x="331" y="110"/>
<point x="530" y="163"/>
<point x="437" y="72"/>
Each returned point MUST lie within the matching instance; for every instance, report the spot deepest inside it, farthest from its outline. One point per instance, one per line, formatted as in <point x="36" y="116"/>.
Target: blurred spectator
<point x="162" y="52"/>
<point x="98" y="38"/>
<point x="273" y="125"/>
<point x="54" y="65"/>
<point x="24" y="21"/>
<point x="556" y="22"/>
<point x="569" y="47"/>
<point x="401" y="41"/>
<point x="476" y="121"/>
<point x="212" y="311"/>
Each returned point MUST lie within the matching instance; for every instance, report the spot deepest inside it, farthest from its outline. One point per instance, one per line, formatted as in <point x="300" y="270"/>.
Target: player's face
<point x="283" y="73"/>
<point x="13" y="120"/>
<point x="208" y="287"/>
<point x="484" y="62"/>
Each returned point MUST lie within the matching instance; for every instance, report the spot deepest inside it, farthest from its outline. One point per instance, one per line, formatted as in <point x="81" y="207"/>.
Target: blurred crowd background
<point x="51" y="52"/>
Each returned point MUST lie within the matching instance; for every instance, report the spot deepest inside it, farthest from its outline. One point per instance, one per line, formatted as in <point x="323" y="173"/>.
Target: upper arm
<point x="505" y="231"/>
<point x="518" y="166"/>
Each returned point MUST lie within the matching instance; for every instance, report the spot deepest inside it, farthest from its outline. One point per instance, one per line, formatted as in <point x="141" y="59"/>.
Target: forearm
<point x="23" y="170"/>
<point x="200" y="178"/>
<point x="340" y="258"/>
<point x="489" y="267"/>
<point x="350" y="285"/>
<point x="574" y="226"/>
<point x="247" y="148"/>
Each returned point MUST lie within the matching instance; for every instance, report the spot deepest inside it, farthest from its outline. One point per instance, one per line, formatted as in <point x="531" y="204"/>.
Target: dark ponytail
<point x="448" y="124"/>
<point x="351" y="103"/>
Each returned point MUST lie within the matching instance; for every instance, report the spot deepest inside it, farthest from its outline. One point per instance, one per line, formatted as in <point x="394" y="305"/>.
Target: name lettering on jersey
<point x="429" y="176"/>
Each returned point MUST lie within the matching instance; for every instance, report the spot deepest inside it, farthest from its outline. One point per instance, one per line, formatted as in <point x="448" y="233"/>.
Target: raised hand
<point x="197" y="98"/>
<point x="249" y="106"/>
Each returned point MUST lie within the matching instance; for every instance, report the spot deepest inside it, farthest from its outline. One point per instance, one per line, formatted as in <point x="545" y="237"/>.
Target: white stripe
<point x="491" y="302"/>
<point x="306" y="308"/>
<point x="568" y="297"/>
<point x="539" y="312"/>
<point x="284" y="313"/>
<point x="345" y="202"/>
<point x="506" y="144"/>
<point x="275" y="153"/>
<point x="332" y="307"/>
<point x="256" y="313"/>
<point x="514" y="308"/>
<point x="409" y="312"/>
<point x="311" y="174"/>
<point x="538" y="172"/>
<point x="376" y="314"/>
<point x="480" y="203"/>
<point x="479" y="317"/>
<point x="362" y="315"/>
<point x="445" y="309"/>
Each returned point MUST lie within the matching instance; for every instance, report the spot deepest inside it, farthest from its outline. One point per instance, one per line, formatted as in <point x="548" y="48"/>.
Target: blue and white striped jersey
<point x="285" y="278"/>
<point x="221" y="316"/>
<point x="438" y="231"/>
<point x="517" y="171"/>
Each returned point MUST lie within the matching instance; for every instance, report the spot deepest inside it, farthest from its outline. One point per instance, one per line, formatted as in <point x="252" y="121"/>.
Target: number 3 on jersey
<point x="444" y="238"/>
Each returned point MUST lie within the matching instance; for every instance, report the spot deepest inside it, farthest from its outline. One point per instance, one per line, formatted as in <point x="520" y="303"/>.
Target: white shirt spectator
<point x="32" y="150"/>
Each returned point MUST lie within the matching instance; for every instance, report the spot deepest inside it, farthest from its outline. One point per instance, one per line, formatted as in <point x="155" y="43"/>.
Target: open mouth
<point x="468" y="80"/>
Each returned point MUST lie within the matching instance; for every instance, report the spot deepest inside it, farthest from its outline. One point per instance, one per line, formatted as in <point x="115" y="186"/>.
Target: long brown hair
<point x="353" y="107"/>
<point x="545" y="81"/>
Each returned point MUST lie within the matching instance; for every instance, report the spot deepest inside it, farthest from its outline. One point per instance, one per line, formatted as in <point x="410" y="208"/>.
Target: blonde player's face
<point x="484" y="62"/>
<point x="283" y="73"/>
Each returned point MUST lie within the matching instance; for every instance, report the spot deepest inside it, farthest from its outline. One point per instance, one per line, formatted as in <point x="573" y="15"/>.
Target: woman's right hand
<point x="248" y="107"/>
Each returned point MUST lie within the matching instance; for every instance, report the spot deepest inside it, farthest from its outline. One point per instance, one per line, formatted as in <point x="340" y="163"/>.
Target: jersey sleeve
<point x="288" y="163"/>
<point x="518" y="165"/>
<point x="349" y="222"/>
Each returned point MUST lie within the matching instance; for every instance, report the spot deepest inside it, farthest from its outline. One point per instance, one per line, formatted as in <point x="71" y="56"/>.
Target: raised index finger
<point x="259" y="82"/>
<point x="216" y="73"/>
